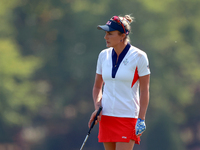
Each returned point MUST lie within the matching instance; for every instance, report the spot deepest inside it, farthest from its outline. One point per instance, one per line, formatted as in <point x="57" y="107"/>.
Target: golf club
<point x="92" y="125"/>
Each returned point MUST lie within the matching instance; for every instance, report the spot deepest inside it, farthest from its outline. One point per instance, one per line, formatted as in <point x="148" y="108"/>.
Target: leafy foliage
<point x="18" y="97"/>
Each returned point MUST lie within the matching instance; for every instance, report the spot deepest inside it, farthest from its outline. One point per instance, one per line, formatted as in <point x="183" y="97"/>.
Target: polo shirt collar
<point x="115" y="63"/>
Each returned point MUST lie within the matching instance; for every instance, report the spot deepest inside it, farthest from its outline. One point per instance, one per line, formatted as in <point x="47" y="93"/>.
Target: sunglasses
<point x="117" y="19"/>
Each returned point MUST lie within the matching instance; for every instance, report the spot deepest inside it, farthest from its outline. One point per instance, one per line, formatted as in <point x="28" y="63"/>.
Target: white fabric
<point x="119" y="99"/>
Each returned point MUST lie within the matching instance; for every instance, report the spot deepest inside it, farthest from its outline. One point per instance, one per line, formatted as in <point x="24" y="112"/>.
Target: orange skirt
<point x="117" y="129"/>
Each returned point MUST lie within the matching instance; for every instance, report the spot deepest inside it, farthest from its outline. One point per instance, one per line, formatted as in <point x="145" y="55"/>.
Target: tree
<point x="62" y="36"/>
<point x="20" y="96"/>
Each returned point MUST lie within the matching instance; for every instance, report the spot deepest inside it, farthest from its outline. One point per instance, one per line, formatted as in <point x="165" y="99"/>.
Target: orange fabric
<point x="116" y="129"/>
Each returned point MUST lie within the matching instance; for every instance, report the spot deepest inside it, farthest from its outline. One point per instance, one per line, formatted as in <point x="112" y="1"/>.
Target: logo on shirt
<point x="124" y="137"/>
<point x="125" y="61"/>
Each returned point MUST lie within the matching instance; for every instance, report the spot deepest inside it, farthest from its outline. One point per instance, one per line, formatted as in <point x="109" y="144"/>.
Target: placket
<point x="114" y="93"/>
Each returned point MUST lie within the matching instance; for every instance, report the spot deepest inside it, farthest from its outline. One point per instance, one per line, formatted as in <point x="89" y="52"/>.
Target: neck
<point x="120" y="47"/>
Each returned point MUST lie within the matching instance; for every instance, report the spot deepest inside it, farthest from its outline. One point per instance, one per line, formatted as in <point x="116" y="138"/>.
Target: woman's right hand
<point x="92" y="118"/>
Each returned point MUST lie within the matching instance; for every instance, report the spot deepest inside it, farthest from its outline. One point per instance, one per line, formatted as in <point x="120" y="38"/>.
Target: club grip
<point x="93" y="123"/>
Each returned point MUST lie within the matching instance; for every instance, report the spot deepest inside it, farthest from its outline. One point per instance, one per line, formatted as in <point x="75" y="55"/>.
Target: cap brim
<point x="105" y="28"/>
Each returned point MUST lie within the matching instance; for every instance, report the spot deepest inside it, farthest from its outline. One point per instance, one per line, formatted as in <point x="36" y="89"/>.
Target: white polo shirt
<point x="121" y="89"/>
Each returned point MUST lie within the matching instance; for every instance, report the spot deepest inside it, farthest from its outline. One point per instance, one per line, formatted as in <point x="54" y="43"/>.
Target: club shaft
<point x="84" y="142"/>
<point x="92" y="125"/>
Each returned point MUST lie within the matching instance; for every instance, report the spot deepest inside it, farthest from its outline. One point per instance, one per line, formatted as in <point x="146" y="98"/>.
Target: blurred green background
<point x="48" y="54"/>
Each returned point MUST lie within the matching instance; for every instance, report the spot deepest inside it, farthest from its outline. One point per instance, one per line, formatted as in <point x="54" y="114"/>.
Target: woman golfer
<point x="124" y="71"/>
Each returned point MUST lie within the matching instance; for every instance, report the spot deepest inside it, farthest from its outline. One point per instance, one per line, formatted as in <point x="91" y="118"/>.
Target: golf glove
<point x="140" y="126"/>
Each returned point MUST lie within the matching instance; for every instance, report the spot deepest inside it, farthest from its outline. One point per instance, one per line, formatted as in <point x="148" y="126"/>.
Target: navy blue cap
<point x="112" y="26"/>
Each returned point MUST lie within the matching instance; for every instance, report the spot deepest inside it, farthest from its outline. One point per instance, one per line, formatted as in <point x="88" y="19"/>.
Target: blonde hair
<point x="127" y="20"/>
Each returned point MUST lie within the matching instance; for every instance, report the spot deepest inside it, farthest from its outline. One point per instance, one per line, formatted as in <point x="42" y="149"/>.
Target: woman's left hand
<point x="140" y="127"/>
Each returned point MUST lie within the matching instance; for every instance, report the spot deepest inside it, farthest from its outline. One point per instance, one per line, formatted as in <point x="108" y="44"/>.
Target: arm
<point x="144" y="101"/>
<point x="97" y="91"/>
<point x="144" y="95"/>
<point x="97" y="95"/>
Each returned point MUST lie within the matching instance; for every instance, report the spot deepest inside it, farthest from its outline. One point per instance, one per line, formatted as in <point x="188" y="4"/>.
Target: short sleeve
<point x="143" y="65"/>
<point x="99" y="64"/>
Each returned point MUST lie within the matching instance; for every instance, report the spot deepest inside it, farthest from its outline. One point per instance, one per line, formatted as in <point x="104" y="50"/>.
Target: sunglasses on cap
<point x="113" y="24"/>
<point x="118" y="20"/>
